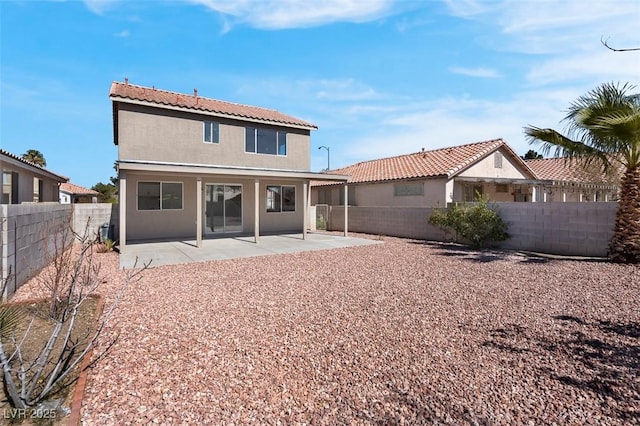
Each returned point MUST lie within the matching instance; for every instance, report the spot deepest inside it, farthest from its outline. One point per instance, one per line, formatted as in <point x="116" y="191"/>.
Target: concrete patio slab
<point x="176" y="252"/>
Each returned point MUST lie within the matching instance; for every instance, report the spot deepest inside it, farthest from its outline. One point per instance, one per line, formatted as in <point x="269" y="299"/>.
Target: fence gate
<point x="322" y="216"/>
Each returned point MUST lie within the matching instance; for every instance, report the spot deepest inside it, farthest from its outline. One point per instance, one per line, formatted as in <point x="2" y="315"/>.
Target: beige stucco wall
<point x="153" y="134"/>
<point x="167" y="224"/>
<point x="382" y="194"/>
<point x="25" y="184"/>
<point x="486" y="168"/>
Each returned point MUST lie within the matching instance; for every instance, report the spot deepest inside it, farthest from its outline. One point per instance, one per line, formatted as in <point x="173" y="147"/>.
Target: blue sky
<point x="379" y="77"/>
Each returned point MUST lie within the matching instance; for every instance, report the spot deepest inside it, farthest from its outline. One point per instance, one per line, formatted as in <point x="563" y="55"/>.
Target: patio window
<point x="265" y="141"/>
<point x="281" y="199"/>
<point x="211" y="132"/>
<point x="159" y="195"/>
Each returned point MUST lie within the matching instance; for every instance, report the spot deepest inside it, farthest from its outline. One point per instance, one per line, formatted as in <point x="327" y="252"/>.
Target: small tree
<point x="478" y="223"/>
<point x="532" y="155"/>
<point x="71" y="279"/>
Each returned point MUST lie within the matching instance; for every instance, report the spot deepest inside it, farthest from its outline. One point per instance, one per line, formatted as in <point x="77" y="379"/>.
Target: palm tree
<point x="34" y="156"/>
<point x="604" y="129"/>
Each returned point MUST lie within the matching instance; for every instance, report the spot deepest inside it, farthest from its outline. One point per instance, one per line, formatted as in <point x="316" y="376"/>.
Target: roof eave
<point x="117" y="98"/>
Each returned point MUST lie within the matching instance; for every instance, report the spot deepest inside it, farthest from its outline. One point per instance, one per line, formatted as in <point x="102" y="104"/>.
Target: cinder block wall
<point x="408" y="222"/>
<point x="30" y="235"/>
<point x="90" y="217"/>
<point x="576" y="229"/>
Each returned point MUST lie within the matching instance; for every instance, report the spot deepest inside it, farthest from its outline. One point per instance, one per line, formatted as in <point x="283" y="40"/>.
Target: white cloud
<point x="476" y="72"/>
<point x="123" y="34"/>
<point x="279" y="14"/>
<point x="100" y="6"/>
<point x="597" y="67"/>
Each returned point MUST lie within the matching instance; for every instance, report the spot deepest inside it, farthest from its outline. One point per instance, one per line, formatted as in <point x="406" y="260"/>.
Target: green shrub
<point x="477" y="223"/>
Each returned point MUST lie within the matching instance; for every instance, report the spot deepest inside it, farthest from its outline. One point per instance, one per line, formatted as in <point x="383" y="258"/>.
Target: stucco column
<point x="564" y="196"/>
<point x="199" y="212"/>
<point x="346" y="209"/>
<point x="544" y="197"/>
<point x="256" y="214"/>
<point x="305" y="209"/>
<point x="122" y="201"/>
<point x="533" y="194"/>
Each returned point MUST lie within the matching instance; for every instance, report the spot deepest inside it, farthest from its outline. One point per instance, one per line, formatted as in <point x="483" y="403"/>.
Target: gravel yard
<point x="402" y="332"/>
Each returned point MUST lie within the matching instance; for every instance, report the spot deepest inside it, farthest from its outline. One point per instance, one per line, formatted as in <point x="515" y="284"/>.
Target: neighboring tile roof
<point x="206" y="105"/>
<point x="29" y="163"/>
<point x="74" y="189"/>
<point x="446" y="162"/>
<point x="560" y="169"/>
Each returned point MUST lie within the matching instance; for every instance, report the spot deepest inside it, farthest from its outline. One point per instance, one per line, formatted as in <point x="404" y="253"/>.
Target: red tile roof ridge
<point x="19" y="158"/>
<point x="171" y="92"/>
<point x="445" y="162"/>
<point x="499" y="141"/>
<point x="77" y="189"/>
<point x="196" y="102"/>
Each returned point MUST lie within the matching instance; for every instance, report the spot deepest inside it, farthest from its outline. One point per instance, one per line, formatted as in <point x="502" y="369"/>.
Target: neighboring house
<point x="71" y="193"/>
<point x="26" y="182"/>
<point x="191" y="167"/>
<point x="565" y="181"/>
<point x="434" y="178"/>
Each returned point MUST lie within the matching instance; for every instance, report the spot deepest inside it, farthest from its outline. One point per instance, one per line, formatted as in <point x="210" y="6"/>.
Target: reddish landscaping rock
<point x="400" y="332"/>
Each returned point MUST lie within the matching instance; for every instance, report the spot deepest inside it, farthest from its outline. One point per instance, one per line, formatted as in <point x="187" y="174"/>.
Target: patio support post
<point x="533" y="194"/>
<point x="564" y="196"/>
<point x="122" y="201"/>
<point x="199" y="212"/>
<point x="305" y="209"/>
<point x="346" y="209"/>
<point x="256" y="214"/>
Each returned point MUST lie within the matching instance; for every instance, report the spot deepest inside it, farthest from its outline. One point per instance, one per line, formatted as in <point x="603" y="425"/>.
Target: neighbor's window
<point x="281" y="198"/>
<point x="497" y="160"/>
<point x="265" y="141"/>
<point x="502" y="187"/>
<point x="37" y="190"/>
<point x="211" y="132"/>
<point x="405" y="189"/>
<point x="6" y="188"/>
<point x="159" y="195"/>
<point x="472" y="192"/>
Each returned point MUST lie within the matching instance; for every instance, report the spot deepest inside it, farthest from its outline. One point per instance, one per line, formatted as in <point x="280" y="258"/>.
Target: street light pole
<point x="328" y="156"/>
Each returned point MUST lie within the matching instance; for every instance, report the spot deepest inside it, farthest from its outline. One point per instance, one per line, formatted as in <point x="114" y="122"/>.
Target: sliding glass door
<point x="223" y="208"/>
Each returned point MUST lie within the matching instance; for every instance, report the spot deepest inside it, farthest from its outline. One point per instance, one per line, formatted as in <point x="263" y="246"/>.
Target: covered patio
<point x="187" y="251"/>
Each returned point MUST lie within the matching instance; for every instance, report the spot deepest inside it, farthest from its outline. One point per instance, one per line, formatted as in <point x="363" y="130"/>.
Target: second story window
<point x="211" y="132"/>
<point x="265" y="141"/>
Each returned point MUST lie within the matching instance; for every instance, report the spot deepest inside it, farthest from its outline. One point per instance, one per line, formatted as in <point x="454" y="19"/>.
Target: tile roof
<point x="29" y="163"/>
<point x="446" y="162"/>
<point x="125" y="91"/>
<point x="560" y="169"/>
<point x="72" y="188"/>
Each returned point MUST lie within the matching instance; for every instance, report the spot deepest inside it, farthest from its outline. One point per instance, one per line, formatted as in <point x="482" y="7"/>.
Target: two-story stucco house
<point x="192" y="167"/>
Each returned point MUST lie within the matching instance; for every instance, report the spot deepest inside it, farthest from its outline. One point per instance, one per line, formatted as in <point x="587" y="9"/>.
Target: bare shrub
<point x="73" y="276"/>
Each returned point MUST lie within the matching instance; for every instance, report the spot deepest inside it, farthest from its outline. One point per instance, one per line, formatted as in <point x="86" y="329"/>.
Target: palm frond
<point x="10" y="317"/>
